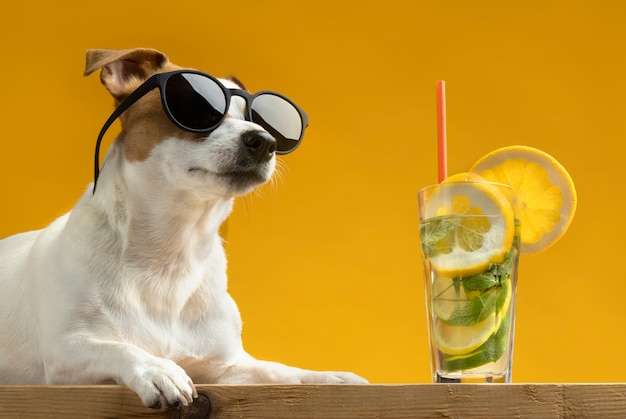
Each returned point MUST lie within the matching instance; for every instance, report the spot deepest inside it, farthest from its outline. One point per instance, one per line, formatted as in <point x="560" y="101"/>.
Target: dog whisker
<point x="278" y="179"/>
<point x="245" y="204"/>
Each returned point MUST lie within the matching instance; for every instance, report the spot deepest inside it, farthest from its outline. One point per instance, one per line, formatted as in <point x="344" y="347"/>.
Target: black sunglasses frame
<point x="159" y="80"/>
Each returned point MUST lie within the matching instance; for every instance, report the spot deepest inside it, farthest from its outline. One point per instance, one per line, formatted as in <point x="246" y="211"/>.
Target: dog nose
<point x="260" y="144"/>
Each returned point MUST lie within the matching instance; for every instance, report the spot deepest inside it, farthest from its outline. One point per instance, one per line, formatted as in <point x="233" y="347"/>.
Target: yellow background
<point x="324" y="263"/>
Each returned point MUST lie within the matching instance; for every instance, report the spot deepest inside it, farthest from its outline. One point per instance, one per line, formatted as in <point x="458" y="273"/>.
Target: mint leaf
<point x="434" y="230"/>
<point x="481" y="306"/>
<point x="502" y="297"/>
<point x="457" y="285"/>
<point x="503" y="270"/>
<point x="481" y="282"/>
<point x="475" y="311"/>
<point x="495" y="274"/>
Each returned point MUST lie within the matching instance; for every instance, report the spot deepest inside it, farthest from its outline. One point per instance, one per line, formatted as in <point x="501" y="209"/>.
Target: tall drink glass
<point x="469" y="234"/>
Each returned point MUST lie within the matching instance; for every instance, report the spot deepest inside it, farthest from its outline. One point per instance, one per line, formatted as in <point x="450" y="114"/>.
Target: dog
<point x="130" y="286"/>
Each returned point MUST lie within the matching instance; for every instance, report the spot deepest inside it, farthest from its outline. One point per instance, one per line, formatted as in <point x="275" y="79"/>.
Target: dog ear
<point x="119" y="67"/>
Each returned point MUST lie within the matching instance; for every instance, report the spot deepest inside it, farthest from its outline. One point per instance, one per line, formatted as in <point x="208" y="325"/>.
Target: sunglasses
<point x="197" y="102"/>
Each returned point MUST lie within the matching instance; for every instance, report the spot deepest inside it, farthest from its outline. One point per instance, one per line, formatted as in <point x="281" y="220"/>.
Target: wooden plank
<point x="326" y="401"/>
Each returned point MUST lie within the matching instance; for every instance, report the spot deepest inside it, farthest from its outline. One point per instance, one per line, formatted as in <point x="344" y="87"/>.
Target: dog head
<point x="232" y="159"/>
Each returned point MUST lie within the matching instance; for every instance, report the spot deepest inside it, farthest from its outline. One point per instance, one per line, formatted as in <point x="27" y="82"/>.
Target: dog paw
<point x="162" y="383"/>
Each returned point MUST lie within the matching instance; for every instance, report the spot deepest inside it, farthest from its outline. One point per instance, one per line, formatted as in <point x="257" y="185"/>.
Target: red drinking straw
<point x="441" y="131"/>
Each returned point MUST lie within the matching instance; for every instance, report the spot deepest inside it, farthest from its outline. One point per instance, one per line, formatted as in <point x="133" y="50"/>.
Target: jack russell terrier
<point x="130" y="286"/>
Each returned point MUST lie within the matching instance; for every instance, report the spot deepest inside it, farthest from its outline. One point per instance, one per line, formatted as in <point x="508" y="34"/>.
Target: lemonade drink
<point x="470" y="247"/>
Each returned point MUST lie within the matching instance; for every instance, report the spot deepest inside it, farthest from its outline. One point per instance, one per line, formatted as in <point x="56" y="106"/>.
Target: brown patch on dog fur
<point x="150" y="124"/>
<point x="237" y="82"/>
<point x="145" y="125"/>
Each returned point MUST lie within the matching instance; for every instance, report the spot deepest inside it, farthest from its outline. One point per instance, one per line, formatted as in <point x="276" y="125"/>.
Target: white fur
<point x="130" y="286"/>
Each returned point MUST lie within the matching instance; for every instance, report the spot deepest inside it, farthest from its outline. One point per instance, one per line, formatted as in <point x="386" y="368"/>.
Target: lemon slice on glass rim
<point x="483" y="225"/>
<point x="545" y="189"/>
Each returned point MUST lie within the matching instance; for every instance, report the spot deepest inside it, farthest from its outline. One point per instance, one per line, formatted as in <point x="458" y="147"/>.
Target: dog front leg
<point x="157" y="381"/>
<point x="248" y="370"/>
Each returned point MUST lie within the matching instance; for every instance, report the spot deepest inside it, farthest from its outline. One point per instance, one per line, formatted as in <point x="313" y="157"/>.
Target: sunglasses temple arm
<point x="132" y="98"/>
<point x="97" y="156"/>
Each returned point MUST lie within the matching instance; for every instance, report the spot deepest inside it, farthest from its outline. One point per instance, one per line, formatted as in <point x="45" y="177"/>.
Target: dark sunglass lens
<point x="195" y="101"/>
<point x="280" y="118"/>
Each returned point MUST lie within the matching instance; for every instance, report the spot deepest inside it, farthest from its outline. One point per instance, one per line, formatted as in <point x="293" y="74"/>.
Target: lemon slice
<point x="459" y="340"/>
<point x="546" y="191"/>
<point x="490" y="351"/>
<point x="483" y="225"/>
